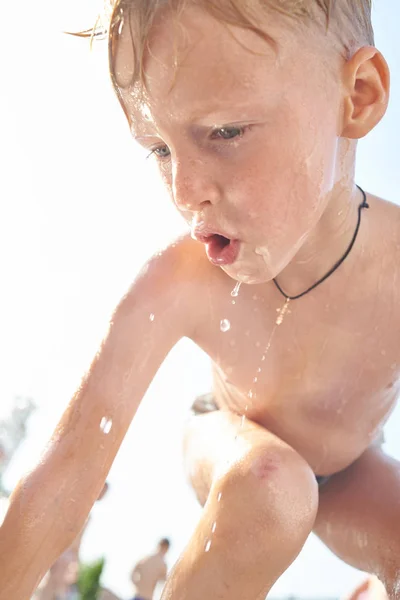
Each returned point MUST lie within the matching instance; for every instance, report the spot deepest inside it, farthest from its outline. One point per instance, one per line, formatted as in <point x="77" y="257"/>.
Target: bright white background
<point x="81" y="210"/>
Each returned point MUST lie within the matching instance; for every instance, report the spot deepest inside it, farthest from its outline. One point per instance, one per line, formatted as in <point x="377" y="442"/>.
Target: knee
<point x="272" y="493"/>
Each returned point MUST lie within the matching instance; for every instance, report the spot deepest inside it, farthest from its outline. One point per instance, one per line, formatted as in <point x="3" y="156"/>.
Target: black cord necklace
<point x="364" y="204"/>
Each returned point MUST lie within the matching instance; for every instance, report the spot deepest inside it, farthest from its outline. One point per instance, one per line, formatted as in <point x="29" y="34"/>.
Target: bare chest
<point x="318" y="365"/>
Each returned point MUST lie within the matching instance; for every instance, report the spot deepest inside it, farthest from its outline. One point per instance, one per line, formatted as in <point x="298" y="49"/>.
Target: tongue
<point x="221" y="250"/>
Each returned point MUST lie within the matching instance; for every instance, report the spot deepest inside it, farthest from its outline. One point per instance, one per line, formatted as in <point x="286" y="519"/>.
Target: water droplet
<point x="233" y="302"/>
<point x="214" y="526"/>
<point x="105" y="425"/>
<point x="282" y="312"/>
<point x="242" y="421"/>
<point x="235" y="291"/>
<point x="151" y="317"/>
<point x="225" y="325"/>
<point x="208" y="546"/>
<point x="250" y="394"/>
<point x="255" y="379"/>
<point x="258" y="344"/>
<point x="255" y="297"/>
<point x="259" y="370"/>
<point x="263" y="357"/>
<point x="219" y="497"/>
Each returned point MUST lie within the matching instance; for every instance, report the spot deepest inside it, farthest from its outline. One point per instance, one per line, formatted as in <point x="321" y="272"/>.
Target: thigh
<point x="359" y="515"/>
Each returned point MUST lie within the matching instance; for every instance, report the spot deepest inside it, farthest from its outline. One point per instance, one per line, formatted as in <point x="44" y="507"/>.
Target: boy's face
<point x="247" y="137"/>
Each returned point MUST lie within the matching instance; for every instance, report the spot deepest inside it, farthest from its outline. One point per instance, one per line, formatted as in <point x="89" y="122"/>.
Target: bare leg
<point x="359" y="517"/>
<point x="260" y="505"/>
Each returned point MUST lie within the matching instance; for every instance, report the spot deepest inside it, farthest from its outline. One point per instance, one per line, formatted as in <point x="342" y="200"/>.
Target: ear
<point x="366" y="80"/>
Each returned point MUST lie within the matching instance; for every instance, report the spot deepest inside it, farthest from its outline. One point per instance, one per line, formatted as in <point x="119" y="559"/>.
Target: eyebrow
<point x="208" y="118"/>
<point x="142" y="130"/>
<point x="217" y="112"/>
<point x="144" y="136"/>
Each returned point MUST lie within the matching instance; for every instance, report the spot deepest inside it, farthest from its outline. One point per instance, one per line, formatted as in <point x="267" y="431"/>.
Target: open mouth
<point x="221" y="250"/>
<point x="219" y="241"/>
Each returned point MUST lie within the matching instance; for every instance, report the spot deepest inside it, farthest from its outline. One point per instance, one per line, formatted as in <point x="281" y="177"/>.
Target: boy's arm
<point x="136" y="573"/>
<point x="50" y="504"/>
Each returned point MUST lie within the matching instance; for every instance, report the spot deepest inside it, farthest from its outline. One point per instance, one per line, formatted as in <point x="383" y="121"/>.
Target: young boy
<point x="253" y="111"/>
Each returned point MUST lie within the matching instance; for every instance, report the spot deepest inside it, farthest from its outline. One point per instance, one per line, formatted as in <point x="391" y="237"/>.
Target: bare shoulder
<point x="177" y="260"/>
<point x="169" y="283"/>
<point x="385" y="217"/>
<point x="383" y="253"/>
<point x="387" y="210"/>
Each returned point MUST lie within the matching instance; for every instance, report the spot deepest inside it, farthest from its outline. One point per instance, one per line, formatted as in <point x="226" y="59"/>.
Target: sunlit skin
<point x="64" y="572"/>
<point x="243" y="149"/>
<point x="240" y="141"/>
<point x="258" y="145"/>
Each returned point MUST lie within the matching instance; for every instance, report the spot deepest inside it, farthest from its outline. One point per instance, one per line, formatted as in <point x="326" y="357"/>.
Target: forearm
<point x="25" y="552"/>
<point x="50" y="505"/>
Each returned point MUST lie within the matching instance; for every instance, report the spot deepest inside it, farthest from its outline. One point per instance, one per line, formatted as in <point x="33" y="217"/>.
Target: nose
<point x="194" y="184"/>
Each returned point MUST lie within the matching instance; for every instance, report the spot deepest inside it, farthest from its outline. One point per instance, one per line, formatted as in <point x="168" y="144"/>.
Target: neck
<point x="326" y="244"/>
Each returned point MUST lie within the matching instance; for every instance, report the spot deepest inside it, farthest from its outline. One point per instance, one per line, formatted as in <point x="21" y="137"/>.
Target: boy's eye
<point x="160" y="152"/>
<point x="227" y="133"/>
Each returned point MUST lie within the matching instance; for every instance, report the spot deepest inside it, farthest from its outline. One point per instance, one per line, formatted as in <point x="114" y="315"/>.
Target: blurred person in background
<point x="106" y="594"/>
<point x="150" y="571"/>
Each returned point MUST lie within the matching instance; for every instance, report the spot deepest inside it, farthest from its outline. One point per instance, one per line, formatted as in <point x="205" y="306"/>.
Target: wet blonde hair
<point x="347" y="21"/>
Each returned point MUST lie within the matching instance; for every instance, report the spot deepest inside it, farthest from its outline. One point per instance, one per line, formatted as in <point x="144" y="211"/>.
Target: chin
<point x="247" y="275"/>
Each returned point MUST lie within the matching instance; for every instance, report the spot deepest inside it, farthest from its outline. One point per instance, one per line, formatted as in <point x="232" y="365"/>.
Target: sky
<point x="81" y="210"/>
